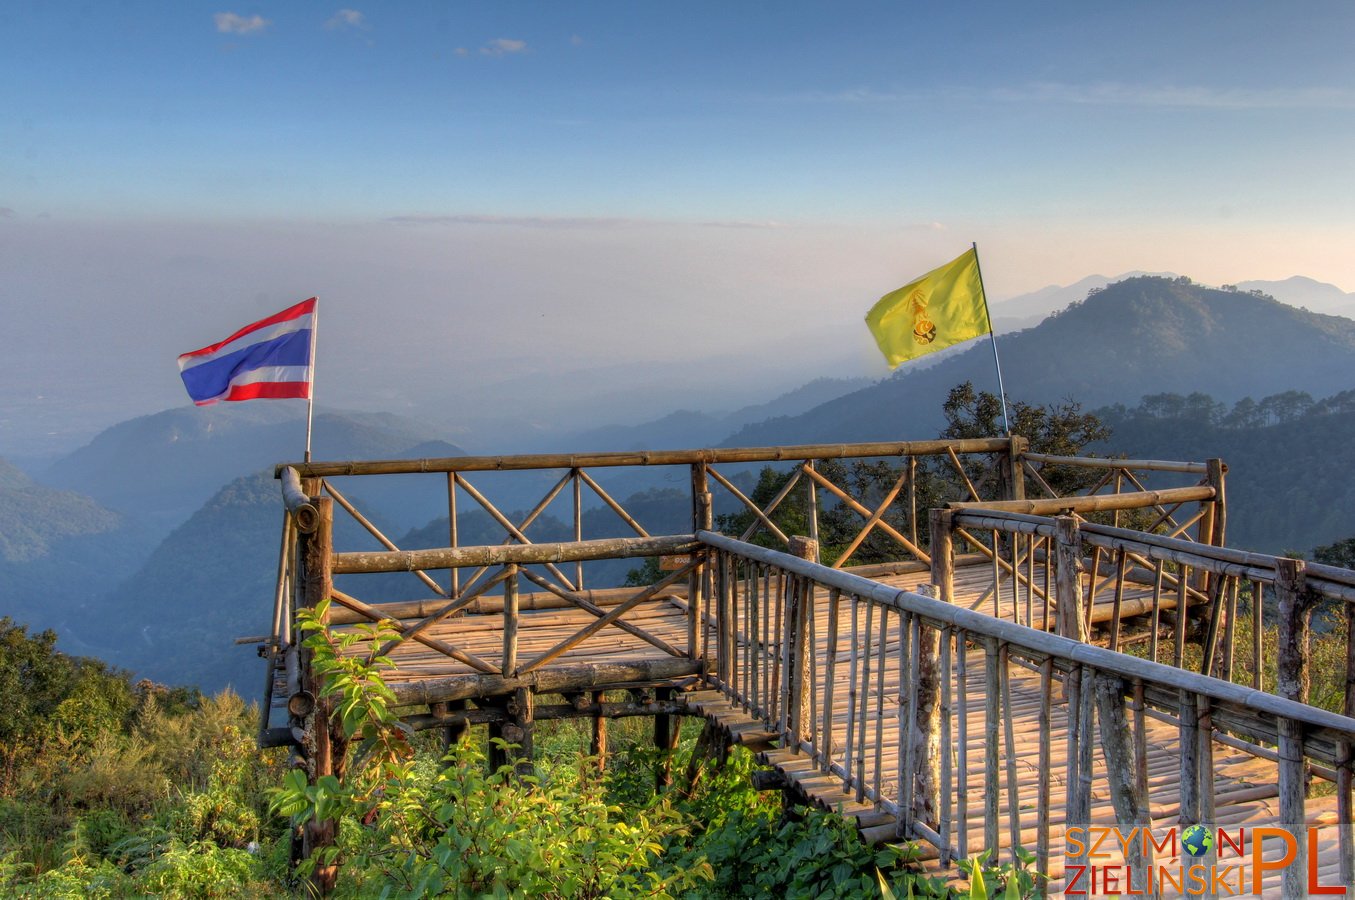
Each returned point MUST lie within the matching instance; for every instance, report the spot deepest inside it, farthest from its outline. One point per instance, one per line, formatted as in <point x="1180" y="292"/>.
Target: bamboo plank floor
<point x="1245" y="786"/>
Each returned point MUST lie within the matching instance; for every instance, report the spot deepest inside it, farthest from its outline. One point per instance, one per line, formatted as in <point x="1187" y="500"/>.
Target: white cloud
<point x="347" y="18"/>
<point x="233" y="23"/>
<point x="461" y="51"/>
<point x="503" y="46"/>
<point x="576" y="40"/>
<point x="6" y="212"/>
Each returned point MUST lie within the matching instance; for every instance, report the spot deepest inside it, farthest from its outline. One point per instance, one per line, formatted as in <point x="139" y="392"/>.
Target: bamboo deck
<point x="1245" y="786"/>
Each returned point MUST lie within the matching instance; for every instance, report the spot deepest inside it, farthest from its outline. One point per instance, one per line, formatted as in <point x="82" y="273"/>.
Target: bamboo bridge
<point x="1005" y="651"/>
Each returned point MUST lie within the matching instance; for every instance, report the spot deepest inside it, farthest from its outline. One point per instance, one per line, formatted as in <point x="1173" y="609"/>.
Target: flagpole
<point x="992" y="334"/>
<point x="310" y="394"/>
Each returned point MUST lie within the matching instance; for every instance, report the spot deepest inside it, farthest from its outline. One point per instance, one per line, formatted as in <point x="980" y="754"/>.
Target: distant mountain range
<point x="76" y="549"/>
<point x="1140" y="336"/>
<point x="160" y="468"/>
<point x="1030" y="309"/>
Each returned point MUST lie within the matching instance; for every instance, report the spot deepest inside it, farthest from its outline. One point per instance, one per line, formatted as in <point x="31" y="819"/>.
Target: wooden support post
<point x="1013" y="472"/>
<point x="799" y="612"/>
<point x="702" y="519"/>
<point x="1295" y="601"/>
<point x="667" y="729"/>
<point x="453" y="734"/>
<point x="1215" y="477"/>
<point x="924" y="733"/>
<point x="518" y="730"/>
<point x="1345" y="772"/>
<point x="598" y="746"/>
<point x="325" y="753"/>
<point x="1127" y="796"/>
<point x="510" y="622"/>
<point x="1071" y="621"/>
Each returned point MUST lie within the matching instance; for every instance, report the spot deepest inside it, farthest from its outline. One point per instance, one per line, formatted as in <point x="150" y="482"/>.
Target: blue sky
<point x="584" y="173"/>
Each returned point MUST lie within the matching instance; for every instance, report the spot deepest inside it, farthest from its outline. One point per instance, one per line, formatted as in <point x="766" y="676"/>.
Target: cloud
<point x="233" y="23"/>
<point x="461" y="51"/>
<point x="347" y="18"/>
<point x="576" y="40"/>
<point x="6" y="212"/>
<point x="503" y="47"/>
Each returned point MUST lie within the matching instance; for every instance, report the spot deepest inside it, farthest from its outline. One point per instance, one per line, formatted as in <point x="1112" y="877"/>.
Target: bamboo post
<point x="1217" y="471"/>
<point x="992" y="722"/>
<point x="1346" y="761"/>
<point x="1122" y="752"/>
<point x="519" y="728"/>
<point x="510" y="622"/>
<point x="1013" y="472"/>
<point x="454" y="586"/>
<point x="665" y="741"/>
<point x="1295" y="602"/>
<point x="598" y="746"/>
<point x="924" y="735"/>
<point x="798" y="615"/>
<point x="1071" y="621"/>
<point x="317" y="550"/>
<point x="702" y="519"/>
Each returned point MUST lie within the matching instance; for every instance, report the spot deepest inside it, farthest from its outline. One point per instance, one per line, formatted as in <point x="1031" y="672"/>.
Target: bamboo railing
<point x="898" y="740"/>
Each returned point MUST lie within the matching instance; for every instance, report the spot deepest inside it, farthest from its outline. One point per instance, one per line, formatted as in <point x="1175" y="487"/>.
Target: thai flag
<point x="270" y="359"/>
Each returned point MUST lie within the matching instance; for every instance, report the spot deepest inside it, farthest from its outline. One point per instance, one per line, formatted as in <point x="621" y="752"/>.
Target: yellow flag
<point x="943" y="307"/>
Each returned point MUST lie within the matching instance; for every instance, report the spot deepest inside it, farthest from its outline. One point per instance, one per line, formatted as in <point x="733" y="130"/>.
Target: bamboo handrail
<point x="522" y="554"/>
<point x="1146" y="465"/>
<point x="644" y="458"/>
<point x="1099" y="503"/>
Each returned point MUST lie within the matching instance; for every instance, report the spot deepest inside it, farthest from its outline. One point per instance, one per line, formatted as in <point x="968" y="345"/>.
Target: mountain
<point x="684" y="429"/>
<point x="1315" y="296"/>
<point x="1289" y="486"/>
<point x="58" y="549"/>
<point x="1030" y="309"/>
<point x="1140" y="336"/>
<point x="164" y="466"/>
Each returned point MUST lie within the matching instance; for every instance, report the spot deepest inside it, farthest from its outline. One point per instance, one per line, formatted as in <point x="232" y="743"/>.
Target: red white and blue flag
<point x="271" y="359"/>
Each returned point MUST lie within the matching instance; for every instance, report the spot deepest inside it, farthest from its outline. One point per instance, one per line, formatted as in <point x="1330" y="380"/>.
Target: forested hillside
<point x="1142" y="336"/>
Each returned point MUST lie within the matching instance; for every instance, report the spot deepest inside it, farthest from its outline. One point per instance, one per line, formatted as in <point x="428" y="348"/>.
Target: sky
<point x="486" y="194"/>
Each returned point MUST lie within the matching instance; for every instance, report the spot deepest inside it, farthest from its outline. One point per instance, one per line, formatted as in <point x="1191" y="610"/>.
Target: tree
<point x="1341" y="553"/>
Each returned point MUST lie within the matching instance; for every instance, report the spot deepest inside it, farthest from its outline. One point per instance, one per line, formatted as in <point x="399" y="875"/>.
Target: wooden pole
<point x="1295" y="603"/>
<point x="1071" y="622"/>
<point x="325" y="754"/>
<point x="1127" y="796"/>
<point x="666" y="734"/>
<point x="798" y="615"/>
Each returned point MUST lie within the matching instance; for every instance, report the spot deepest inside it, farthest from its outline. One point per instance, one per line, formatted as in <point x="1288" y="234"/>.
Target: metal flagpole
<point x="310" y="394"/>
<point x="1001" y="391"/>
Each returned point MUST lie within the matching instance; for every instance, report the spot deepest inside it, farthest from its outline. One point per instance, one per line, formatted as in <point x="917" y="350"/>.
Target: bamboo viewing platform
<point x="1067" y="643"/>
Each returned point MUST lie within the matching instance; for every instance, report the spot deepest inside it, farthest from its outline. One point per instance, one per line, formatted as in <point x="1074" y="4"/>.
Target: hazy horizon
<point x="709" y="196"/>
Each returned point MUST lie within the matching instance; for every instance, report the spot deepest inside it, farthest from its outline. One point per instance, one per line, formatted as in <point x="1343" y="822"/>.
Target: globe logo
<point x="1197" y="840"/>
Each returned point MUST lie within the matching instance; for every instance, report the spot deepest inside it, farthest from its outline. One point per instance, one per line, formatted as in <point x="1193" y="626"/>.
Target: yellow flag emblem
<point x="940" y="309"/>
